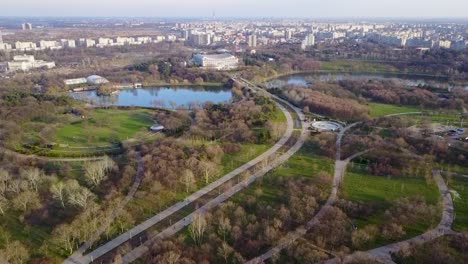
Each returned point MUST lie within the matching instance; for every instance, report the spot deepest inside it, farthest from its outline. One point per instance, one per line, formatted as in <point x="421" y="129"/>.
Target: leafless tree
<point x="197" y="228"/>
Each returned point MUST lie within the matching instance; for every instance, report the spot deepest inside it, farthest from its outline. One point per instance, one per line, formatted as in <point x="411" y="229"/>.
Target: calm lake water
<point x="410" y="80"/>
<point x="159" y="96"/>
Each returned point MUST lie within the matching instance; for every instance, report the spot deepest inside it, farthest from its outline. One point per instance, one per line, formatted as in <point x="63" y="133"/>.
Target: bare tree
<point x="76" y="194"/>
<point x="188" y="180"/>
<point x="33" y="176"/>
<point x="225" y="251"/>
<point x="58" y="192"/>
<point x="197" y="228"/>
<point x="26" y="200"/>
<point x="3" y="205"/>
<point x="5" y="178"/>
<point x="224" y="226"/>
<point x="95" y="172"/>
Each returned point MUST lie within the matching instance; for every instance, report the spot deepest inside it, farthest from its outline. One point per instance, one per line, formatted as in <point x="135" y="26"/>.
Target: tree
<point x="95" y="172"/>
<point x="58" y="192"/>
<point x="32" y="175"/>
<point x="76" y="194"/>
<point x="197" y="228"/>
<point x="209" y="170"/>
<point x="26" y="200"/>
<point x="14" y="253"/>
<point x="65" y="236"/>
<point x="171" y="257"/>
<point x="188" y="180"/>
<point x="224" y="226"/>
<point x="5" y="177"/>
<point x="3" y="204"/>
<point x="225" y="251"/>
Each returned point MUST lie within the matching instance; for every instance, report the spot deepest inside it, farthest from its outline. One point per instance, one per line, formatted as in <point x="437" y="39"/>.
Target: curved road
<point x="78" y="257"/>
<point x="106" y="223"/>
<point x="340" y="167"/>
<point x="24" y="156"/>
<point x="383" y="253"/>
<point x="141" y="250"/>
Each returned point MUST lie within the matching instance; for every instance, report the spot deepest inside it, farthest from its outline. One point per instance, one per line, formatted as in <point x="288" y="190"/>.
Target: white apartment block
<point x="25" y="46"/>
<point x="84" y="42"/>
<point x="144" y="40"/>
<point x="49" y="44"/>
<point x="5" y="46"/>
<point x="104" y="42"/>
<point x="68" y="43"/>
<point x="444" y="44"/>
<point x="27" y="62"/>
<point x="216" y="61"/>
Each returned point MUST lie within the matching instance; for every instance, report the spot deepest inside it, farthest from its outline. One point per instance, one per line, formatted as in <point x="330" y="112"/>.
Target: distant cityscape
<point x="253" y="34"/>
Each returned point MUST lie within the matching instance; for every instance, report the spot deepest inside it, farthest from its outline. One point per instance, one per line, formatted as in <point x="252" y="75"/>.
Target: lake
<point x="406" y="79"/>
<point x="165" y="97"/>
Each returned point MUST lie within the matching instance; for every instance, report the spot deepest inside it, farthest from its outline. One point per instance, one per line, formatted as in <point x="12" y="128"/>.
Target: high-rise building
<point x="288" y="34"/>
<point x="200" y="39"/>
<point x="1" y="37"/>
<point x="308" y="41"/>
<point x="252" y="40"/>
<point x="26" y="26"/>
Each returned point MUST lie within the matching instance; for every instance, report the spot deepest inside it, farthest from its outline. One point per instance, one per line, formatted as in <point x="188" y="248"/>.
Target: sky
<point x="239" y="8"/>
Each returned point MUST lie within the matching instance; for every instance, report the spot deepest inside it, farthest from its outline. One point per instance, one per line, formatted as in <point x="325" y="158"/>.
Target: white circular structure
<point x="96" y="79"/>
<point x="327" y="126"/>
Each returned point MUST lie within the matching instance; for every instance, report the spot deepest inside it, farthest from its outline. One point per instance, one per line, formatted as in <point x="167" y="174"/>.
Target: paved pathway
<point x="383" y="253"/>
<point x="106" y="223"/>
<point x="109" y="246"/>
<point x="24" y="156"/>
<point x="340" y="167"/>
<point x="141" y="250"/>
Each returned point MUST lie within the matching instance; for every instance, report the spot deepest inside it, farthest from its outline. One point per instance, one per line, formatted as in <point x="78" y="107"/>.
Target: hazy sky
<point x="238" y="8"/>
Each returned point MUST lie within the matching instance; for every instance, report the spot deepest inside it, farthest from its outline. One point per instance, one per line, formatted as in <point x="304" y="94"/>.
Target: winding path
<point x="171" y="230"/>
<point x="115" y="213"/>
<point x="340" y="167"/>
<point x="383" y="254"/>
<point x="24" y="156"/>
<point x="79" y="258"/>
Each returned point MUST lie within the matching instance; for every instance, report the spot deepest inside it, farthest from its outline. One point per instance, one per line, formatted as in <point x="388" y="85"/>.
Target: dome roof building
<point x="96" y="79"/>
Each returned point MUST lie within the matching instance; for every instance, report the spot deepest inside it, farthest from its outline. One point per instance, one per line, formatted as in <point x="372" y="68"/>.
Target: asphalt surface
<point x="79" y="258"/>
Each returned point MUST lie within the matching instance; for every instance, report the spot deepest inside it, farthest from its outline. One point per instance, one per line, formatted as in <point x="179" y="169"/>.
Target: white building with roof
<point x="26" y="46"/>
<point x="96" y="79"/>
<point x="28" y="62"/>
<point x="224" y="61"/>
<point x="49" y="44"/>
<point x="68" y="43"/>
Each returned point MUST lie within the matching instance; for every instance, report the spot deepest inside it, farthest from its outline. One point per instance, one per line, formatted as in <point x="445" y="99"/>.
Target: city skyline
<point x="241" y="8"/>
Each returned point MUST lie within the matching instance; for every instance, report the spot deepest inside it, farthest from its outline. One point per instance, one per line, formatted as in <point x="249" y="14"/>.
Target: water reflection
<point x="168" y="97"/>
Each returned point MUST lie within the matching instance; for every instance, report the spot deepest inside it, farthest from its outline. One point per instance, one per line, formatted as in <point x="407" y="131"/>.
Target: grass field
<point x="382" y="192"/>
<point x="378" y="109"/>
<point x="105" y="126"/>
<point x="460" y="185"/>
<point x="304" y="164"/>
<point x="356" y="66"/>
<point x="363" y="187"/>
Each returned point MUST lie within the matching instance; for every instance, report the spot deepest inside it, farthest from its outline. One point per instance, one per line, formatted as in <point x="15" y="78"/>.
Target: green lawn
<point x="382" y="192"/>
<point x="366" y="188"/>
<point x="105" y="126"/>
<point x="460" y="185"/>
<point x="378" y="109"/>
<point x="305" y="163"/>
<point x="356" y="66"/>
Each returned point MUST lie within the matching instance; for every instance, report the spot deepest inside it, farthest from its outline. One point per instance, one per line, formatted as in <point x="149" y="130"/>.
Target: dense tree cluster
<point x="394" y="92"/>
<point x="324" y="104"/>
<point x="236" y="232"/>
<point x="244" y="121"/>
